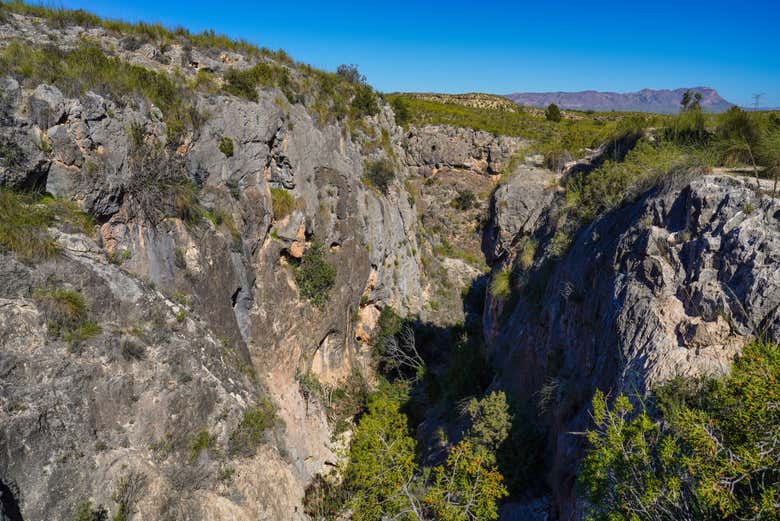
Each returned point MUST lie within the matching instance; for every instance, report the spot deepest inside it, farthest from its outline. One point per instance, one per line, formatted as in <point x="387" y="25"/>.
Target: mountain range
<point x="662" y="101"/>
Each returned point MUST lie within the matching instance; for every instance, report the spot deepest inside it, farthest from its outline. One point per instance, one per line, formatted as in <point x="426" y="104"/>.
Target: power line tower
<point x="756" y="100"/>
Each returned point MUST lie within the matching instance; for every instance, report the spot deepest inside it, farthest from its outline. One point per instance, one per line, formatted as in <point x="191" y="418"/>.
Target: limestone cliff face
<point x="211" y="307"/>
<point x="673" y="284"/>
<point x="201" y="319"/>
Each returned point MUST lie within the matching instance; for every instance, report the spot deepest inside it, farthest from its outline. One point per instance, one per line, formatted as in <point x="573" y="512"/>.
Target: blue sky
<point x="501" y="46"/>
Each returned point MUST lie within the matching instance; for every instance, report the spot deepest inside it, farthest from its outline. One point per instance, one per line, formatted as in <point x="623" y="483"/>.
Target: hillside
<point x="237" y="287"/>
<point x="646" y="100"/>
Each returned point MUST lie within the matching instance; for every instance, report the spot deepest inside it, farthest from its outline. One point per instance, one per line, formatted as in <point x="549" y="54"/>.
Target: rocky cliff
<point x="158" y="356"/>
<point x="674" y="283"/>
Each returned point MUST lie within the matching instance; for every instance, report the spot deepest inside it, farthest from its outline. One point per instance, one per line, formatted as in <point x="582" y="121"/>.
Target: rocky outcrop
<point x="433" y="147"/>
<point x="200" y="313"/>
<point x="673" y="284"/>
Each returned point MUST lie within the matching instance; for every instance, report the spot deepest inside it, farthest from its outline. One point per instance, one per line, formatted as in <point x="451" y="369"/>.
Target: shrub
<point x="465" y="200"/>
<point x="688" y="127"/>
<point x="67" y="314"/>
<point x="241" y="83"/>
<point x="552" y="113"/>
<point x="500" y="286"/>
<point x="701" y="450"/>
<point x="282" y="203"/>
<point x="226" y="146"/>
<point x="380" y="174"/>
<point x="252" y="427"/>
<point x="24" y="226"/>
<point x="85" y="511"/>
<point x="204" y="440"/>
<point x="244" y="83"/>
<point x="401" y="109"/>
<point x="324" y="499"/>
<point x="314" y="275"/>
<point x="528" y="248"/>
<point x="364" y="102"/>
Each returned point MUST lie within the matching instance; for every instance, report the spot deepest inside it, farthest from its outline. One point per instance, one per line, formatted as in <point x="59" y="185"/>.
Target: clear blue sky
<point x="503" y="46"/>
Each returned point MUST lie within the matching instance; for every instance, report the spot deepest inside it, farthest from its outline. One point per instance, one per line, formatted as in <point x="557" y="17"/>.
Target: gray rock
<point x="674" y="284"/>
<point x="519" y="206"/>
<point x="47" y="106"/>
<point x="65" y="150"/>
<point x="440" y="146"/>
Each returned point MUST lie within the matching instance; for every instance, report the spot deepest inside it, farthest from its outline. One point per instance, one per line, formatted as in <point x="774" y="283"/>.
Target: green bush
<point x="252" y="427"/>
<point x="465" y="200"/>
<point x="401" y="109"/>
<point x="380" y="174"/>
<point x="314" y="275"/>
<point x="500" y="286"/>
<point x="282" y="203"/>
<point x="700" y="450"/>
<point x="364" y="102"/>
<point x="85" y="511"/>
<point x="350" y="74"/>
<point x="203" y="440"/>
<point x="24" y="226"/>
<point x="226" y="146"/>
<point x="67" y="314"/>
<point x="552" y="113"/>
<point x="244" y="83"/>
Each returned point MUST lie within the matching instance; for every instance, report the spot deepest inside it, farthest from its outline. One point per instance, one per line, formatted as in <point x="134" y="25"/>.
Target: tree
<point x="467" y="487"/>
<point x="350" y="73"/>
<point x="690" y="101"/>
<point x="490" y="421"/>
<point x="552" y="113"/>
<point x="381" y="469"/>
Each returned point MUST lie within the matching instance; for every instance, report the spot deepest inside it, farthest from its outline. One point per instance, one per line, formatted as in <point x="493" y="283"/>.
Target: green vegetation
<point x="203" y="440"/>
<point x="500" y="286"/>
<point x="226" y="146"/>
<point x="244" y="83"/>
<point x="282" y="203"/>
<point x="85" y="511"/>
<point x="572" y="135"/>
<point x="552" y="113"/>
<point x="381" y="466"/>
<point x="23" y="227"/>
<point x="379" y="174"/>
<point x="252" y="427"/>
<point x="315" y="275"/>
<point x="67" y="314"/>
<point x="26" y="217"/>
<point x="382" y="478"/>
<point x="87" y="67"/>
<point x="61" y="18"/>
<point x="588" y="195"/>
<point x="697" y="449"/>
<point x="465" y="200"/>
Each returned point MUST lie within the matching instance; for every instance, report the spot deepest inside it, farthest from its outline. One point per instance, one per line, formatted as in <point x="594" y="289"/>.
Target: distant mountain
<point x="646" y="100"/>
